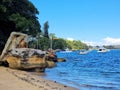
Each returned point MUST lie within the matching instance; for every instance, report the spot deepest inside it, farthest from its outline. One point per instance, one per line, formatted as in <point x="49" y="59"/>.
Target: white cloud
<point x="71" y="39"/>
<point x="111" y="41"/>
<point x="91" y="43"/>
<point x="105" y="41"/>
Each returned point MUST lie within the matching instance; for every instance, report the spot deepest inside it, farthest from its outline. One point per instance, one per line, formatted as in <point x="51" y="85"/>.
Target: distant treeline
<point x="112" y="47"/>
<point x="44" y="43"/>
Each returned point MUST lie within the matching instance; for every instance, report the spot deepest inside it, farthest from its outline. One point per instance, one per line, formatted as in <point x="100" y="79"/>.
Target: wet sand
<point x="11" y="79"/>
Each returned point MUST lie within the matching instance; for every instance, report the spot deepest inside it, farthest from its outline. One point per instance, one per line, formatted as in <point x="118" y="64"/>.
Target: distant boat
<point x="102" y="50"/>
<point x="83" y="52"/>
<point x="66" y="51"/>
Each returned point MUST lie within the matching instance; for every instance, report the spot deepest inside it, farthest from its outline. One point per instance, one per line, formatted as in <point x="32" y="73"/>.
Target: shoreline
<point x="12" y="79"/>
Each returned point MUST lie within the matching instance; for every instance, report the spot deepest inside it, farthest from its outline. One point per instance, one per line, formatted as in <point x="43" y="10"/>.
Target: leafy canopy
<point x="21" y="14"/>
<point x="17" y="15"/>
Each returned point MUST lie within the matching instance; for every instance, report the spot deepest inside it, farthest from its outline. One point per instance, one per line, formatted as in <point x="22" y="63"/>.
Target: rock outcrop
<point x="26" y="58"/>
<point x="14" y="41"/>
<point x="18" y="56"/>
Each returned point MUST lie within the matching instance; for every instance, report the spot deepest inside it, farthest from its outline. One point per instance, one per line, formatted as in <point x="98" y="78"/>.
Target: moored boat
<point x="83" y="52"/>
<point x="102" y="50"/>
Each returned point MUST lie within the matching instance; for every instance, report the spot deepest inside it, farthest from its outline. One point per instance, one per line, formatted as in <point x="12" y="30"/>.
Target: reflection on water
<point x="92" y="71"/>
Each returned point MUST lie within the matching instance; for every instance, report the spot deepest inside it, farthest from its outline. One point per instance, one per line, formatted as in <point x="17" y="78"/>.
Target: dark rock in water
<point x="51" y="56"/>
<point x="4" y="63"/>
<point x="51" y="64"/>
<point x="61" y="59"/>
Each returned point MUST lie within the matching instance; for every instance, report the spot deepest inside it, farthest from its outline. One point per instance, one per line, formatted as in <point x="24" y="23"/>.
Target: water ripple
<point x="93" y="71"/>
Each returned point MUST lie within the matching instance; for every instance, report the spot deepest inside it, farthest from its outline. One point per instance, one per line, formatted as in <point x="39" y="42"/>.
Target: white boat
<point x="66" y="51"/>
<point x="102" y="50"/>
<point x="83" y="52"/>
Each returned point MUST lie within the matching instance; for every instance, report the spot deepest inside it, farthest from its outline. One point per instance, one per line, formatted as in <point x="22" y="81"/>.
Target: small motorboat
<point x="102" y="50"/>
<point x="83" y="52"/>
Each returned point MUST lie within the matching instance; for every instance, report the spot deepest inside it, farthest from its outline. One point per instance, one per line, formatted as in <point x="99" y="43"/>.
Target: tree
<point x="76" y="45"/>
<point x="46" y="26"/>
<point x="18" y="15"/>
<point x="44" y="43"/>
<point x="69" y="44"/>
<point x="59" y="43"/>
<point x="41" y="43"/>
<point x="21" y="15"/>
<point x="52" y="35"/>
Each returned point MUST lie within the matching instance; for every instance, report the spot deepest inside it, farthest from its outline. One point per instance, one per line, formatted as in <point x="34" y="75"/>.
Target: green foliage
<point x="69" y="44"/>
<point x="59" y="43"/>
<point x="19" y="16"/>
<point x="76" y="45"/>
<point x="42" y="43"/>
<point x="3" y="9"/>
<point x="21" y="22"/>
<point x="46" y="26"/>
<point x="52" y="35"/>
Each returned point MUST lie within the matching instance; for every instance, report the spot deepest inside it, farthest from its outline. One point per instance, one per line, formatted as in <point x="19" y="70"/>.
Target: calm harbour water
<point x="92" y="71"/>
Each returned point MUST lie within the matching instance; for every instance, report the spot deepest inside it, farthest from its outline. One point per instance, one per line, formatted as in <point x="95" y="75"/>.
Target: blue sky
<point x="91" y="21"/>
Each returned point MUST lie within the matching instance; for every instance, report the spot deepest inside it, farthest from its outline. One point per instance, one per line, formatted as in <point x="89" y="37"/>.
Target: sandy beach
<point x="11" y="79"/>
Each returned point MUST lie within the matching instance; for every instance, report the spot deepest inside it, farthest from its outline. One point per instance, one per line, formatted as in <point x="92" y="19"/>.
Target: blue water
<point x="92" y="71"/>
